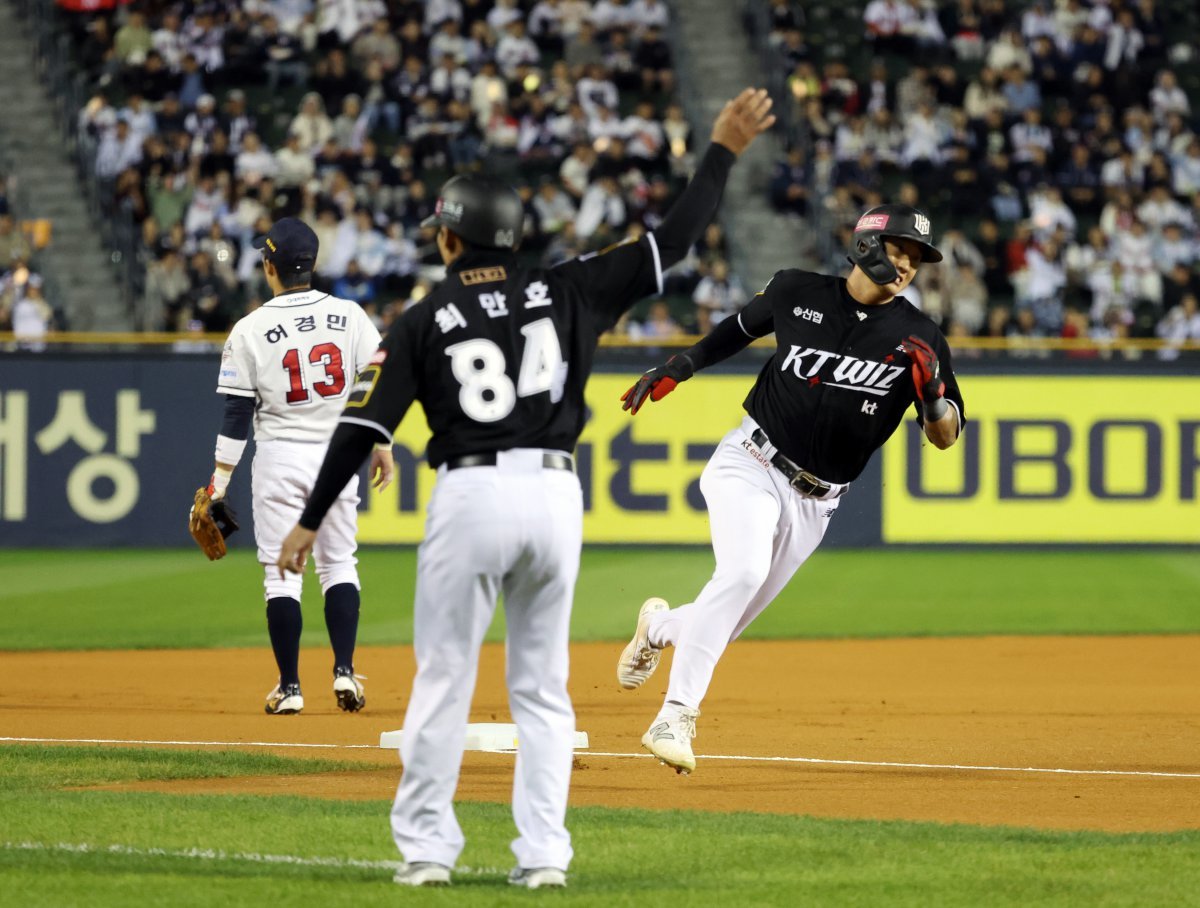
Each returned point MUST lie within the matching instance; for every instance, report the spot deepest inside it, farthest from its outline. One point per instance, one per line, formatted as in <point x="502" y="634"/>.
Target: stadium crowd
<point x="1051" y="140"/>
<point x="211" y="119"/>
<point x="24" y="309"/>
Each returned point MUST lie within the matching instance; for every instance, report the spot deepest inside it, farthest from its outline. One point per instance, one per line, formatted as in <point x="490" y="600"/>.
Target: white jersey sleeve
<point x="367" y="341"/>
<point x="237" y="375"/>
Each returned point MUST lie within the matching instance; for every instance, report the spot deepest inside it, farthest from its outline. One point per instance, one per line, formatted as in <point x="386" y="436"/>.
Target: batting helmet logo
<point x="872" y="222"/>
<point x="451" y="212"/>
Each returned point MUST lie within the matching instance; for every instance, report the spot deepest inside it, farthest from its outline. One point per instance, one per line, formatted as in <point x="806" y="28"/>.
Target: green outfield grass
<point x="174" y="598"/>
<point x="157" y="849"/>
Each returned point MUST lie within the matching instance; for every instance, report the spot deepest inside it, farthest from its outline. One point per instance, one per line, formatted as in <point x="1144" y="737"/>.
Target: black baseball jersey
<point x="839" y="382"/>
<point x="498" y="354"/>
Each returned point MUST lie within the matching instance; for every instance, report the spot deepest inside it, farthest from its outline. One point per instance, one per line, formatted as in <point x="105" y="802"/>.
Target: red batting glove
<point x="657" y="383"/>
<point x="926" y="370"/>
<point x="926" y="373"/>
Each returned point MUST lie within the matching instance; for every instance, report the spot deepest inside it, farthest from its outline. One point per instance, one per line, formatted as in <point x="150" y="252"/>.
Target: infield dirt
<point x="1126" y="704"/>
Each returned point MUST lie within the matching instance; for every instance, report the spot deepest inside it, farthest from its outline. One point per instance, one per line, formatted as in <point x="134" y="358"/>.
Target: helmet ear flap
<point x="869" y="254"/>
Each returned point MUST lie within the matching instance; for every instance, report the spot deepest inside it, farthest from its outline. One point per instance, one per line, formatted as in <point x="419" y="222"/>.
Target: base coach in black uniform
<point x="851" y="356"/>
<point x="498" y="355"/>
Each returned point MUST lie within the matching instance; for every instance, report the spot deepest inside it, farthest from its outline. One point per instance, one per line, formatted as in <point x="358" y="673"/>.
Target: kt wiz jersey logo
<point x="864" y="375"/>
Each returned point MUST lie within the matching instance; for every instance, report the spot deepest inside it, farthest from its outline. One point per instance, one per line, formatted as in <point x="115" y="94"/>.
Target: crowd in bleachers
<point x="211" y="119"/>
<point x="24" y="309"/>
<point x="1052" y="141"/>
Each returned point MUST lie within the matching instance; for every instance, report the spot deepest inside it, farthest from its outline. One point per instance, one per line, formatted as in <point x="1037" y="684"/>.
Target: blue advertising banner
<point x="107" y="450"/>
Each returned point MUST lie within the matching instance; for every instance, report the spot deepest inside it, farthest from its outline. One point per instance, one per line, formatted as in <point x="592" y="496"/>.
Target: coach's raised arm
<point x="616" y="278"/>
<point x="736" y="126"/>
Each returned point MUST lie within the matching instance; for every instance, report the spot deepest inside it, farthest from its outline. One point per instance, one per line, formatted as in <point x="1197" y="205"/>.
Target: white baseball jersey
<point x="298" y="355"/>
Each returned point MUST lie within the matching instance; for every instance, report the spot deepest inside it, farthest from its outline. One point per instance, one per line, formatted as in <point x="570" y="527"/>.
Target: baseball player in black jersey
<point x="851" y="356"/>
<point x="498" y="355"/>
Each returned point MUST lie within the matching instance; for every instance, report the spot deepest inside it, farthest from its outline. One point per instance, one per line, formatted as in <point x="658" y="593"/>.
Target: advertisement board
<point x="107" y="450"/>
<point x="1052" y="459"/>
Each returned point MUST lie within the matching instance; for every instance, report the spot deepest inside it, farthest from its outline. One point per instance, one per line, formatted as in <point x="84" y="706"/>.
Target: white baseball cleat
<point x="670" y="739"/>
<point x="348" y="689"/>
<point x="423" y="873"/>
<point x="538" y="878"/>
<point x="285" y="700"/>
<point x="640" y="658"/>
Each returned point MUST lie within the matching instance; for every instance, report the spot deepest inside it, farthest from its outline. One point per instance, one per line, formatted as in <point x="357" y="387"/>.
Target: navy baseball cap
<point x="290" y="245"/>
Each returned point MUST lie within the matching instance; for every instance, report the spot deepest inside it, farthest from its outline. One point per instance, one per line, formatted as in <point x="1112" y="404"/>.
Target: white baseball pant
<point x="762" y="531"/>
<point x="513" y="529"/>
<point x="282" y="477"/>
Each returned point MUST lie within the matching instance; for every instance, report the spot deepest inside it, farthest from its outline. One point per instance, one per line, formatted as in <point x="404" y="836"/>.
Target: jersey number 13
<point x="486" y="393"/>
<point x="327" y="356"/>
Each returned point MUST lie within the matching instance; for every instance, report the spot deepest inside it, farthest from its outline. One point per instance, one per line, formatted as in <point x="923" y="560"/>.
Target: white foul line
<point x="203" y="854"/>
<point x="190" y="743"/>
<point x="960" y="767"/>
<point x="819" y="761"/>
<point x="212" y="854"/>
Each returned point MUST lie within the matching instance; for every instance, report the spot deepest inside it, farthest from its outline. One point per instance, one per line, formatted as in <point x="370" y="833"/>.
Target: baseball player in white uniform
<point x="288" y="367"/>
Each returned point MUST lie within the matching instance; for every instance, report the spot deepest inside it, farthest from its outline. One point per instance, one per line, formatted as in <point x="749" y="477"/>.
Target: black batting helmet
<point x="900" y="221"/>
<point x="482" y="212"/>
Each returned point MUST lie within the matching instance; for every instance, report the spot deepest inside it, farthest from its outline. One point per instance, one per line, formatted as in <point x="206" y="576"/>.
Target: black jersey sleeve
<point x="381" y="395"/>
<point x="696" y="205"/>
<point x="617" y="277"/>
<point x="731" y="335"/>
<point x="757" y="318"/>
<point x="387" y="387"/>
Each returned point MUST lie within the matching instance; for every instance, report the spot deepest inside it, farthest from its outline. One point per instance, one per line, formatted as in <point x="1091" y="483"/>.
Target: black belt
<point x="798" y="478"/>
<point x="551" y="460"/>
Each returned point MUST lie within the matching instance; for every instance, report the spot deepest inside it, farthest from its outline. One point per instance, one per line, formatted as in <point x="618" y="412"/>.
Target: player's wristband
<point x="935" y="409"/>
<point x="383" y="446"/>
<point x="229" y="450"/>
<point x="680" y="367"/>
<point x="219" y="482"/>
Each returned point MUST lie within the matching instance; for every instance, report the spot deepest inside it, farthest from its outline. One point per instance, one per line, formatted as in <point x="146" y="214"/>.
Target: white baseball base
<point x="489" y="736"/>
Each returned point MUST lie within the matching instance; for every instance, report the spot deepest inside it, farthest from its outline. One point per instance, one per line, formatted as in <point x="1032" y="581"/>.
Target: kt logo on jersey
<point x="849" y="372"/>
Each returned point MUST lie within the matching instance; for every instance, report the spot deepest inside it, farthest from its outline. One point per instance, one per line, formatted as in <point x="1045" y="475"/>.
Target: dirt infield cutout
<point x="989" y="726"/>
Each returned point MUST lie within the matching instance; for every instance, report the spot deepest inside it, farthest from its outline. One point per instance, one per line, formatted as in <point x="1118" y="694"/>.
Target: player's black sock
<point x="284" y="623"/>
<point x="341" y="620"/>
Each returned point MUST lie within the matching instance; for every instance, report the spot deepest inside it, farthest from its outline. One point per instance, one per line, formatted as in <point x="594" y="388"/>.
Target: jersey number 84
<point x="486" y="393"/>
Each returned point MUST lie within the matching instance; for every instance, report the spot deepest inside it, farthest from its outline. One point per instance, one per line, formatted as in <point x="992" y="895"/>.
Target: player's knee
<point x="286" y="587"/>
<point x="547" y="702"/>
<point x="545" y="685"/>
<point x="332" y="574"/>
<point x="742" y="581"/>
